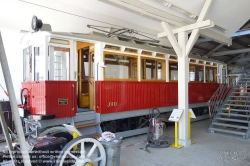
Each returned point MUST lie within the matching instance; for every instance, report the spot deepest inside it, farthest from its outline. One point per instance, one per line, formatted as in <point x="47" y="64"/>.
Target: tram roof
<point x="123" y="41"/>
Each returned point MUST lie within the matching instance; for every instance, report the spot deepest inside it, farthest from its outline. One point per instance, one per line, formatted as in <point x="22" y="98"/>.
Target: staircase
<point x="229" y="107"/>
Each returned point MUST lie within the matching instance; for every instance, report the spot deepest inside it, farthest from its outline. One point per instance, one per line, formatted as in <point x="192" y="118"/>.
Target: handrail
<point x="247" y="108"/>
<point x="220" y="96"/>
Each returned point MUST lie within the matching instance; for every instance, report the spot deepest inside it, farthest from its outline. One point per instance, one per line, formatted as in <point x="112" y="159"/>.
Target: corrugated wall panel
<point x="119" y="96"/>
<point x="196" y="92"/>
<point x="44" y="96"/>
<point x="210" y="89"/>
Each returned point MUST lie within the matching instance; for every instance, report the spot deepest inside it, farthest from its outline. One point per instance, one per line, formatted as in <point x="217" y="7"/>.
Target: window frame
<point x="202" y="68"/>
<point x="129" y="69"/>
<point x="163" y="64"/>
<point x="215" y="73"/>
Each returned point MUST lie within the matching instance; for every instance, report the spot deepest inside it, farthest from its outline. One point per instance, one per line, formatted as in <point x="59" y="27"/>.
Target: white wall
<point x="65" y="16"/>
<point x="13" y="50"/>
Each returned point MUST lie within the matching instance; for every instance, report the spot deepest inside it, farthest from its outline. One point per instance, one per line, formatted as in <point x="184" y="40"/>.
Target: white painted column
<point x="167" y="68"/>
<point x="139" y="68"/>
<point x="182" y="49"/>
<point x="99" y="61"/>
<point x="204" y="71"/>
<point x="183" y="77"/>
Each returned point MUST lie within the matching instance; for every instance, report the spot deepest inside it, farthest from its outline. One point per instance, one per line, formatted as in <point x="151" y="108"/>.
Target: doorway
<point x="86" y="81"/>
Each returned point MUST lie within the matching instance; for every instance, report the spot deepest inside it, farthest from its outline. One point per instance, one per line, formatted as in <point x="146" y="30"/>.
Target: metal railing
<point x="220" y="96"/>
<point x="247" y="108"/>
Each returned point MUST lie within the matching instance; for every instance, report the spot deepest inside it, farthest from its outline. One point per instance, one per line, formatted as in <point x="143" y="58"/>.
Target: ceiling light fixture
<point x="191" y="15"/>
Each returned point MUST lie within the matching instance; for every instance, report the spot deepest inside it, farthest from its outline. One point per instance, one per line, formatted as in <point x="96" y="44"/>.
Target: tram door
<point x="85" y="75"/>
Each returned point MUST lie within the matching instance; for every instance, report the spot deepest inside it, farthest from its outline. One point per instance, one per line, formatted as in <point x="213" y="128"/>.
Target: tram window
<point x="196" y="73"/>
<point x="84" y="52"/>
<point x="173" y="71"/>
<point x="211" y="74"/>
<point x="27" y="64"/>
<point x="92" y="55"/>
<point x="119" y="66"/>
<point x="152" y="69"/>
<point x="224" y="72"/>
<point x="59" y="63"/>
<point x="39" y="63"/>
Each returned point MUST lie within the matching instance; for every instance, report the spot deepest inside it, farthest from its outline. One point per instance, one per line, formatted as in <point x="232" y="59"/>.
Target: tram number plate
<point x="62" y="101"/>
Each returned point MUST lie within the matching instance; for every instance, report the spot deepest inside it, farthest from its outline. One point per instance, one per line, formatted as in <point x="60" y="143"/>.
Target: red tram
<point x="107" y="83"/>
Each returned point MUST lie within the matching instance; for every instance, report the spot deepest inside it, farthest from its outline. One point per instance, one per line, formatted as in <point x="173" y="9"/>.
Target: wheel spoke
<point x="83" y="152"/>
<point x="97" y="159"/>
<point x="73" y="156"/>
<point x="92" y="150"/>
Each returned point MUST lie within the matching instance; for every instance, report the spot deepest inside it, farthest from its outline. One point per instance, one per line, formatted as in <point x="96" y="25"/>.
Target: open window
<point x="211" y="74"/>
<point x="59" y="63"/>
<point x="196" y="73"/>
<point x="173" y="71"/>
<point x="120" y="66"/>
<point x="39" y="63"/>
<point x="27" y="64"/>
<point x="152" y="69"/>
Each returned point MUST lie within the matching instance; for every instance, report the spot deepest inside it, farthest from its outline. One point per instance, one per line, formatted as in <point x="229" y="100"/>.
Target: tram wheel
<point x="89" y="152"/>
<point x="58" y="131"/>
<point x="53" y="129"/>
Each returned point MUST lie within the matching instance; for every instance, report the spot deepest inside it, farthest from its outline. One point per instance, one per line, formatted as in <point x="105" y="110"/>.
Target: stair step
<point x="230" y="125"/>
<point x="244" y="88"/>
<point x="232" y="109"/>
<point x="228" y="131"/>
<point x="238" y="115"/>
<point x="240" y="96"/>
<point x="238" y="105"/>
<point x="86" y="125"/>
<point x="233" y="120"/>
<point x="237" y="100"/>
<point x="96" y="135"/>
<point x="244" y="78"/>
<point x="237" y="87"/>
<point x="243" y="81"/>
<point x="240" y="92"/>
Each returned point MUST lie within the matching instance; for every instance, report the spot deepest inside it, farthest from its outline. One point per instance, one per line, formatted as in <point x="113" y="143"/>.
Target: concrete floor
<point x="209" y="149"/>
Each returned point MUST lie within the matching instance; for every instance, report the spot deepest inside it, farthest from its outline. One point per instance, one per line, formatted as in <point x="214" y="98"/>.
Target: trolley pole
<point x="13" y="103"/>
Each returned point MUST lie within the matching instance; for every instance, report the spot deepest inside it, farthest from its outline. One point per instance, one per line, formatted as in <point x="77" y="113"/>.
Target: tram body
<point x="69" y="75"/>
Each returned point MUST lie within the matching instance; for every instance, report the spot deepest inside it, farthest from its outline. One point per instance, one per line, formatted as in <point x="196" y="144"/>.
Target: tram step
<point x="86" y="125"/>
<point x="96" y="135"/>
